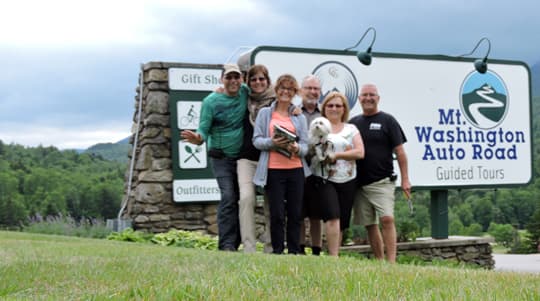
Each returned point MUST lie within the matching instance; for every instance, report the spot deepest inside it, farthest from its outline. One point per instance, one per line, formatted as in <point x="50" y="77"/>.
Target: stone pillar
<point x="150" y="205"/>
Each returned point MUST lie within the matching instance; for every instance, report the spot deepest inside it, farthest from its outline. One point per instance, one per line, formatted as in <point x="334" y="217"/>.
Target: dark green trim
<point x="435" y="57"/>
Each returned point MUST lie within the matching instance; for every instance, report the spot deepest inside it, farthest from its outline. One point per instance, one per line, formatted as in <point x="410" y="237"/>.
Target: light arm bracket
<point x="480" y="64"/>
<point x="365" y="57"/>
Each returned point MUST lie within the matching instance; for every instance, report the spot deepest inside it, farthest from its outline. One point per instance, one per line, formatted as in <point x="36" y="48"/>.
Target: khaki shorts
<point x="372" y="201"/>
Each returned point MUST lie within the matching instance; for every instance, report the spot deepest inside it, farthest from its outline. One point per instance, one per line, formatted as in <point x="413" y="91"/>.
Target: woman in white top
<point x="335" y="190"/>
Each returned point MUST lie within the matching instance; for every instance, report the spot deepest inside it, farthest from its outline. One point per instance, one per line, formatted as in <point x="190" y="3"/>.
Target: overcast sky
<point x="70" y="68"/>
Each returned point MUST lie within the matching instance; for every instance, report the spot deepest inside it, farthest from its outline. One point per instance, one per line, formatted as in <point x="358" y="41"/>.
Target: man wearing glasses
<point x="221" y="125"/>
<point x="383" y="137"/>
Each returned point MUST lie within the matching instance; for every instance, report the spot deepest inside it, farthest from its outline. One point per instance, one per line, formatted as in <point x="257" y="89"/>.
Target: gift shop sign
<point x="193" y="180"/>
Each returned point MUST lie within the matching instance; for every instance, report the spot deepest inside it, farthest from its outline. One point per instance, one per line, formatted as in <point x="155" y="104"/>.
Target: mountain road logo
<point x="484" y="99"/>
<point x="335" y="76"/>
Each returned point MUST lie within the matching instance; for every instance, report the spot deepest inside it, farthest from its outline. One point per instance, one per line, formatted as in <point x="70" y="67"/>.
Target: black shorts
<point x="327" y="200"/>
<point x="310" y="206"/>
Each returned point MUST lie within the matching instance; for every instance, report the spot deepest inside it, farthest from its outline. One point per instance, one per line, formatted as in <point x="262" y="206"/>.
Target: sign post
<point x="439" y="214"/>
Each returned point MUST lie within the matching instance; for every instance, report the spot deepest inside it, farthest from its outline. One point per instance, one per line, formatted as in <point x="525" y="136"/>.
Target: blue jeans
<point x="227" y="215"/>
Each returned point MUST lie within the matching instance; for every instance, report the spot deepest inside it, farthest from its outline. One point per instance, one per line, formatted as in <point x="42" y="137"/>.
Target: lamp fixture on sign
<point x="480" y="64"/>
<point x="365" y="56"/>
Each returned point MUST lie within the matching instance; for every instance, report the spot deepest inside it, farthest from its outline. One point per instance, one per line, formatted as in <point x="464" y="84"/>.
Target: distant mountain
<point x="124" y="141"/>
<point x="112" y="151"/>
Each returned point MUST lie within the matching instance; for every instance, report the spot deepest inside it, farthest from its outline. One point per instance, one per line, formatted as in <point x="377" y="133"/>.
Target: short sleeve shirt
<point x="343" y="170"/>
<point x="381" y="133"/>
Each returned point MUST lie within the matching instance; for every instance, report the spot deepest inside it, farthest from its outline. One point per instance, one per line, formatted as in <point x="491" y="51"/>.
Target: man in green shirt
<point x="221" y="126"/>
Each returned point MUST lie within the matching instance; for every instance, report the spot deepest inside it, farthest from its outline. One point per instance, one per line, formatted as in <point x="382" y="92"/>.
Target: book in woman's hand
<point x="280" y="131"/>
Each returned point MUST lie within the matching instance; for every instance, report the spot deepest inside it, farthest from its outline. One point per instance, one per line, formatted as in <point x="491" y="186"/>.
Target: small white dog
<point x="321" y="149"/>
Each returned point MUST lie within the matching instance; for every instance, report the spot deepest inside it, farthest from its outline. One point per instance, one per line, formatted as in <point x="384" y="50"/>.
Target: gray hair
<point x="310" y="77"/>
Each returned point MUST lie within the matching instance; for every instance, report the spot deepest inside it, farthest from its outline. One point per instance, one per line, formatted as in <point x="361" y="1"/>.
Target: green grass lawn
<point x="48" y="267"/>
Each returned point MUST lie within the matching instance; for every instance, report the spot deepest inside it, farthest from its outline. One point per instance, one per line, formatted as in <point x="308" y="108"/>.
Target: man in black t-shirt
<point x="374" y="200"/>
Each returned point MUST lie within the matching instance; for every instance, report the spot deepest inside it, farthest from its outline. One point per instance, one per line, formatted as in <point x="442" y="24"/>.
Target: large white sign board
<point x="463" y="128"/>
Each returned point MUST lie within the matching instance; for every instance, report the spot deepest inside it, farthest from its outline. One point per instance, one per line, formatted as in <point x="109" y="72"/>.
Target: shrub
<point x="473" y="230"/>
<point x="130" y="235"/>
<point x="357" y="233"/>
<point x="533" y="230"/>
<point x="407" y="230"/>
<point x="456" y="227"/>
<point x="503" y="234"/>
<point x="186" y="239"/>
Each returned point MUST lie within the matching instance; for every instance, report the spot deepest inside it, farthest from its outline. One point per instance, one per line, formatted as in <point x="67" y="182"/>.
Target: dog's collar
<point x="320" y="140"/>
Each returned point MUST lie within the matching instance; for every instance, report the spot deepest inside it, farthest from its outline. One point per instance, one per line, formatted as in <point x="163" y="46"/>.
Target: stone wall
<point x="472" y="250"/>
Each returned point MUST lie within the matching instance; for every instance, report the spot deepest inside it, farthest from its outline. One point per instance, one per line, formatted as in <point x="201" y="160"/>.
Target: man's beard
<point x="311" y="101"/>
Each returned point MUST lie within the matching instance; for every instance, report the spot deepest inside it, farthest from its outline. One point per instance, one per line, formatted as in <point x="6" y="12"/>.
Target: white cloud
<point x="61" y="23"/>
<point x="69" y="24"/>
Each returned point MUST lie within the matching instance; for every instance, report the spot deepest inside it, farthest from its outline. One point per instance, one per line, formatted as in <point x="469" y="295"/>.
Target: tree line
<point x="44" y="181"/>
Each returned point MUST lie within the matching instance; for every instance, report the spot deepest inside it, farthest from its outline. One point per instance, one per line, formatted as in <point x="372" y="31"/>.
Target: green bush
<point x="407" y="230"/>
<point x="455" y="226"/>
<point x="473" y="230"/>
<point x="186" y="239"/>
<point x="130" y="235"/>
<point x="356" y="233"/>
<point x="503" y="234"/>
<point x="533" y="232"/>
<point x="178" y="238"/>
<point x="521" y="247"/>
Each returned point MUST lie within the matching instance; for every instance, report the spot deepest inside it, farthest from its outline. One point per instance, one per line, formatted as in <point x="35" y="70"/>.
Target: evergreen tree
<point x="533" y="230"/>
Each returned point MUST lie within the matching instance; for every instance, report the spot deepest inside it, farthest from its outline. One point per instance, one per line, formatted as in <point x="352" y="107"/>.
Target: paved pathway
<point x="529" y="263"/>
